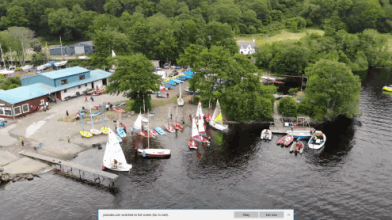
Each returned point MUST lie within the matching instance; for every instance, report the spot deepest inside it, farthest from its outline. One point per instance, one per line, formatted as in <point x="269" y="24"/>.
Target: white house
<point x="247" y="47"/>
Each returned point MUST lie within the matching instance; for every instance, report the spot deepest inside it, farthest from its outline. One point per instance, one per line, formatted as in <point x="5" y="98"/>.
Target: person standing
<point x="190" y="117"/>
<point x="167" y="94"/>
<point x="92" y="99"/>
<point x="86" y="100"/>
<point x="171" y="116"/>
<point x="125" y="128"/>
<point x="22" y="140"/>
<point x="69" y="139"/>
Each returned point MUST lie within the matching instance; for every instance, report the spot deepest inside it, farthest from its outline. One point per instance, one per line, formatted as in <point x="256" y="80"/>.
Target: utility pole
<point x="62" y="57"/>
<point x="48" y="53"/>
<point x="23" y="54"/>
<point x="302" y="81"/>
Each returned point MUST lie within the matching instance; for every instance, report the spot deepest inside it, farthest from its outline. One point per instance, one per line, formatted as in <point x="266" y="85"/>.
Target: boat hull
<point x="159" y="130"/>
<point x="266" y="135"/>
<point x="192" y="144"/>
<point x="217" y="126"/>
<point x="95" y="131"/>
<point x="170" y="129"/>
<point x="200" y="138"/>
<point x="387" y="88"/>
<point x="121" y="132"/>
<point x="104" y="130"/>
<point x="180" y="102"/>
<point x="300" y="134"/>
<point x="286" y="140"/>
<point x="317" y="146"/>
<point x="177" y="125"/>
<point x="121" y="168"/>
<point x="154" y="152"/>
<point x="144" y="134"/>
<point x="86" y="134"/>
<point x="301" y="146"/>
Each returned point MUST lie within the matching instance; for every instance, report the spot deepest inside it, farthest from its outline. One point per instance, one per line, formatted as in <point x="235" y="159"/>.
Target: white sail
<point x="138" y="122"/>
<point x="195" y="132"/>
<point x="201" y="126"/>
<point x="199" y="113"/>
<point x="180" y="100"/>
<point x="217" y="112"/>
<point x="113" y="152"/>
<point x="113" y="54"/>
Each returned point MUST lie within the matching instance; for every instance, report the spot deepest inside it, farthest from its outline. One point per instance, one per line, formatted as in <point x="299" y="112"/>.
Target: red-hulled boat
<point x="169" y="128"/>
<point x="192" y="144"/>
<point x="177" y="125"/>
<point x="286" y="140"/>
<point x="144" y="134"/>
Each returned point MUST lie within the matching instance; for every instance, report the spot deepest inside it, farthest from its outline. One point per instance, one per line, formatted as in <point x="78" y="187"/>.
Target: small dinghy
<point x="95" y="131"/>
<point x="317" y="140"/>
<point x="153" y="132"/>
<point x="121" y="132"/>
<point x="159" y="130"/>
<point x="144" y="119"/>
<point x="266" y="134"/>
<point x="177" y="125"/>
<point x="297" y="147"/>
<point x="105" y="130"/>
<point x="286" y="140"/>
<point x="86" y="134"/>
<point x="192" y="144"/>
<point x="170" y="128"/>
<point x="114" y="158"/>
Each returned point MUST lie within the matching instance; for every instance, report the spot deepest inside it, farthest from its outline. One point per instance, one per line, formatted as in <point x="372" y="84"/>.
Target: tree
<point x="191" y="56"/>
<point x="38" y="58"/>
<point x="16" y="16"/>
<point x="333" y="89"/>
<point x="134" y="74"/>
<point x="292" y="59"/>
<point x="375" y="47"/>
<point x="287" y="107"/>
<point x="10" y="83"/>
<point x="364" y="14"/>
<point x="107" y="40"/>
<point x="167" y="7"/>
<point x="14" y="38"/>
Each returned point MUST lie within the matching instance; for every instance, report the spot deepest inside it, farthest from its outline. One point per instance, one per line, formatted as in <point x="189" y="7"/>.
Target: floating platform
<point x="98" y="174"/>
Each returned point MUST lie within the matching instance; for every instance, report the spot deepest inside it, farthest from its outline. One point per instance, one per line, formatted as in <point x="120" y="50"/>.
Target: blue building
<point x="78" y="48"/>
<point x="38" y="89"/>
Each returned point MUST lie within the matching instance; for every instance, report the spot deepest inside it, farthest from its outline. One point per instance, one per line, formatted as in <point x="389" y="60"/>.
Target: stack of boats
<point x="316" y="141"/>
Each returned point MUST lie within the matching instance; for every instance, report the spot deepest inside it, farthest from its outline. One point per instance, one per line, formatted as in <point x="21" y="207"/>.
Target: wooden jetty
<point x="67" y="167"/>
<point x="281" y="124"/>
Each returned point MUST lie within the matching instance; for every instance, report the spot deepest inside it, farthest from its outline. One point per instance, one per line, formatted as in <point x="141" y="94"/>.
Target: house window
<point x="65" y="91"/>
<point x="1" y="111"/>
<point x="17" y="110"/>
<point x="81" y="77"/>
<point x="64" y="81"/>
<point x="7" y="111"/>
<point x="42" y="102"/>
<point x="25" y="108"/>
<point x="79" y="87"/>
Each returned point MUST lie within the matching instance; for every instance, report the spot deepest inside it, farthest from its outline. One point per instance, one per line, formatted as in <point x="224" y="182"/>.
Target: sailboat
<point x="137" y="126"/>
<point x="104" y="129"/>
<point x="92" y="130"/>
<point x="153" y="152"/>
<point x="180" y="100"/>
<point x="175" y="124"/>
<point x="113" y="152"/>
<point x="202" y="130"/>
<point x="168" y="126"/>
<point x="83" y="132"/>
<point x="27" y="68"/>
<point x="195" y="133"/>
<point x="120" y="130"/>
<point x="216" y="120"/>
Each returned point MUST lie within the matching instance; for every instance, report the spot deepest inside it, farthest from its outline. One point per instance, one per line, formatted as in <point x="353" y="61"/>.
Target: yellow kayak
<point x="86" y="134"/>
<point x="387" y="88"/>
<point x="104" y="130"/>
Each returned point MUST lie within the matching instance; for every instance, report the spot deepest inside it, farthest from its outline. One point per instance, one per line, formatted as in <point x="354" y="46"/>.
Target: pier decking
<point x="98" y="174"/>
<point x="279" y="124"/>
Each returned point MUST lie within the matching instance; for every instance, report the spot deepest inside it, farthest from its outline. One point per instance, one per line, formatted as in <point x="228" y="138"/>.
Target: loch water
<point x="350" y="178"/>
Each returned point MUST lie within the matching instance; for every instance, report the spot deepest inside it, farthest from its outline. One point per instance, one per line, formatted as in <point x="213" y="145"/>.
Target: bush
<point x="305" y="107"/>
<point x="292" y="91"/>
<point x="18" y="69"/>
<point x="271" y="98"/>
<point x="288" y="107"/>
<point x="196" y="100"/>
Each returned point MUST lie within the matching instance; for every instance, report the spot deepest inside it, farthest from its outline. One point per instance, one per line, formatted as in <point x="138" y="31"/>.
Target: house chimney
<point x="253" y="40"/>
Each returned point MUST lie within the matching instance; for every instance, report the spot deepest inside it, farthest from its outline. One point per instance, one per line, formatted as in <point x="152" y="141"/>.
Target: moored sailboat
<point x="217" y="120"/>
<point x="114" y="158"/>
<point x="93" y="130"/>
<point x="180" y="100"/>
<point x="153" y="152"/>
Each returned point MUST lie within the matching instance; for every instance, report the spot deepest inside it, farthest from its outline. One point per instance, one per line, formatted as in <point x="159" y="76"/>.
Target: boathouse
<point x="58" y="85"/>
<point x="247" y="47"/>
<point x="78" y="48"/>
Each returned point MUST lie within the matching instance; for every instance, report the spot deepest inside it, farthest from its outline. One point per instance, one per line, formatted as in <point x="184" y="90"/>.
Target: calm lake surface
<point x="350" y="178"/>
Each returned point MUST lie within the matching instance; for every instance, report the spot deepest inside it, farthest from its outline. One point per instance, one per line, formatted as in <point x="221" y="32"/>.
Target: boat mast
<point x="62" y="57"/>
<point x="23" y="53"/>
<point x="103" y="114"/>
<point x="2" y="56"/>
<point x="148" y="129"/>
<point x="92" y="123"/>
<point x="47" y="56"/>
<point x="11" y="56"/>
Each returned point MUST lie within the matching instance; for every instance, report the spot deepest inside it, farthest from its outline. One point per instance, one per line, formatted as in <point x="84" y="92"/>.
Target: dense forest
<point x="201" y="33"/>
<point x="162" y="29"/>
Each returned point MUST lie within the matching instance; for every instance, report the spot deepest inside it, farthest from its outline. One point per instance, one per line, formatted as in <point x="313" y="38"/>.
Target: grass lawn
<point x="285" y="35"/>
<point x="389" y="37"/>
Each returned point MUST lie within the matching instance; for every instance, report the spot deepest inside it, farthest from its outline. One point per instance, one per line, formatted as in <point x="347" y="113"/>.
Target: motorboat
<point x="297" y="147"/>
<point x="61" y="63"/>
<point x="317" y="140"/>
<point x="266" y="134"/>
<point x="286" y="140"/>
<point x="27" y="68"/>
<point x="300" y="134"/>
<point x="114" y="158"/>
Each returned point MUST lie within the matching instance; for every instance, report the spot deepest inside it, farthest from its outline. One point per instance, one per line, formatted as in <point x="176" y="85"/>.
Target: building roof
<point x="65" y="72"/>
<point x="35" y="90"/>
<point x="245" y="44"/>
<point x="84" y="43"/>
